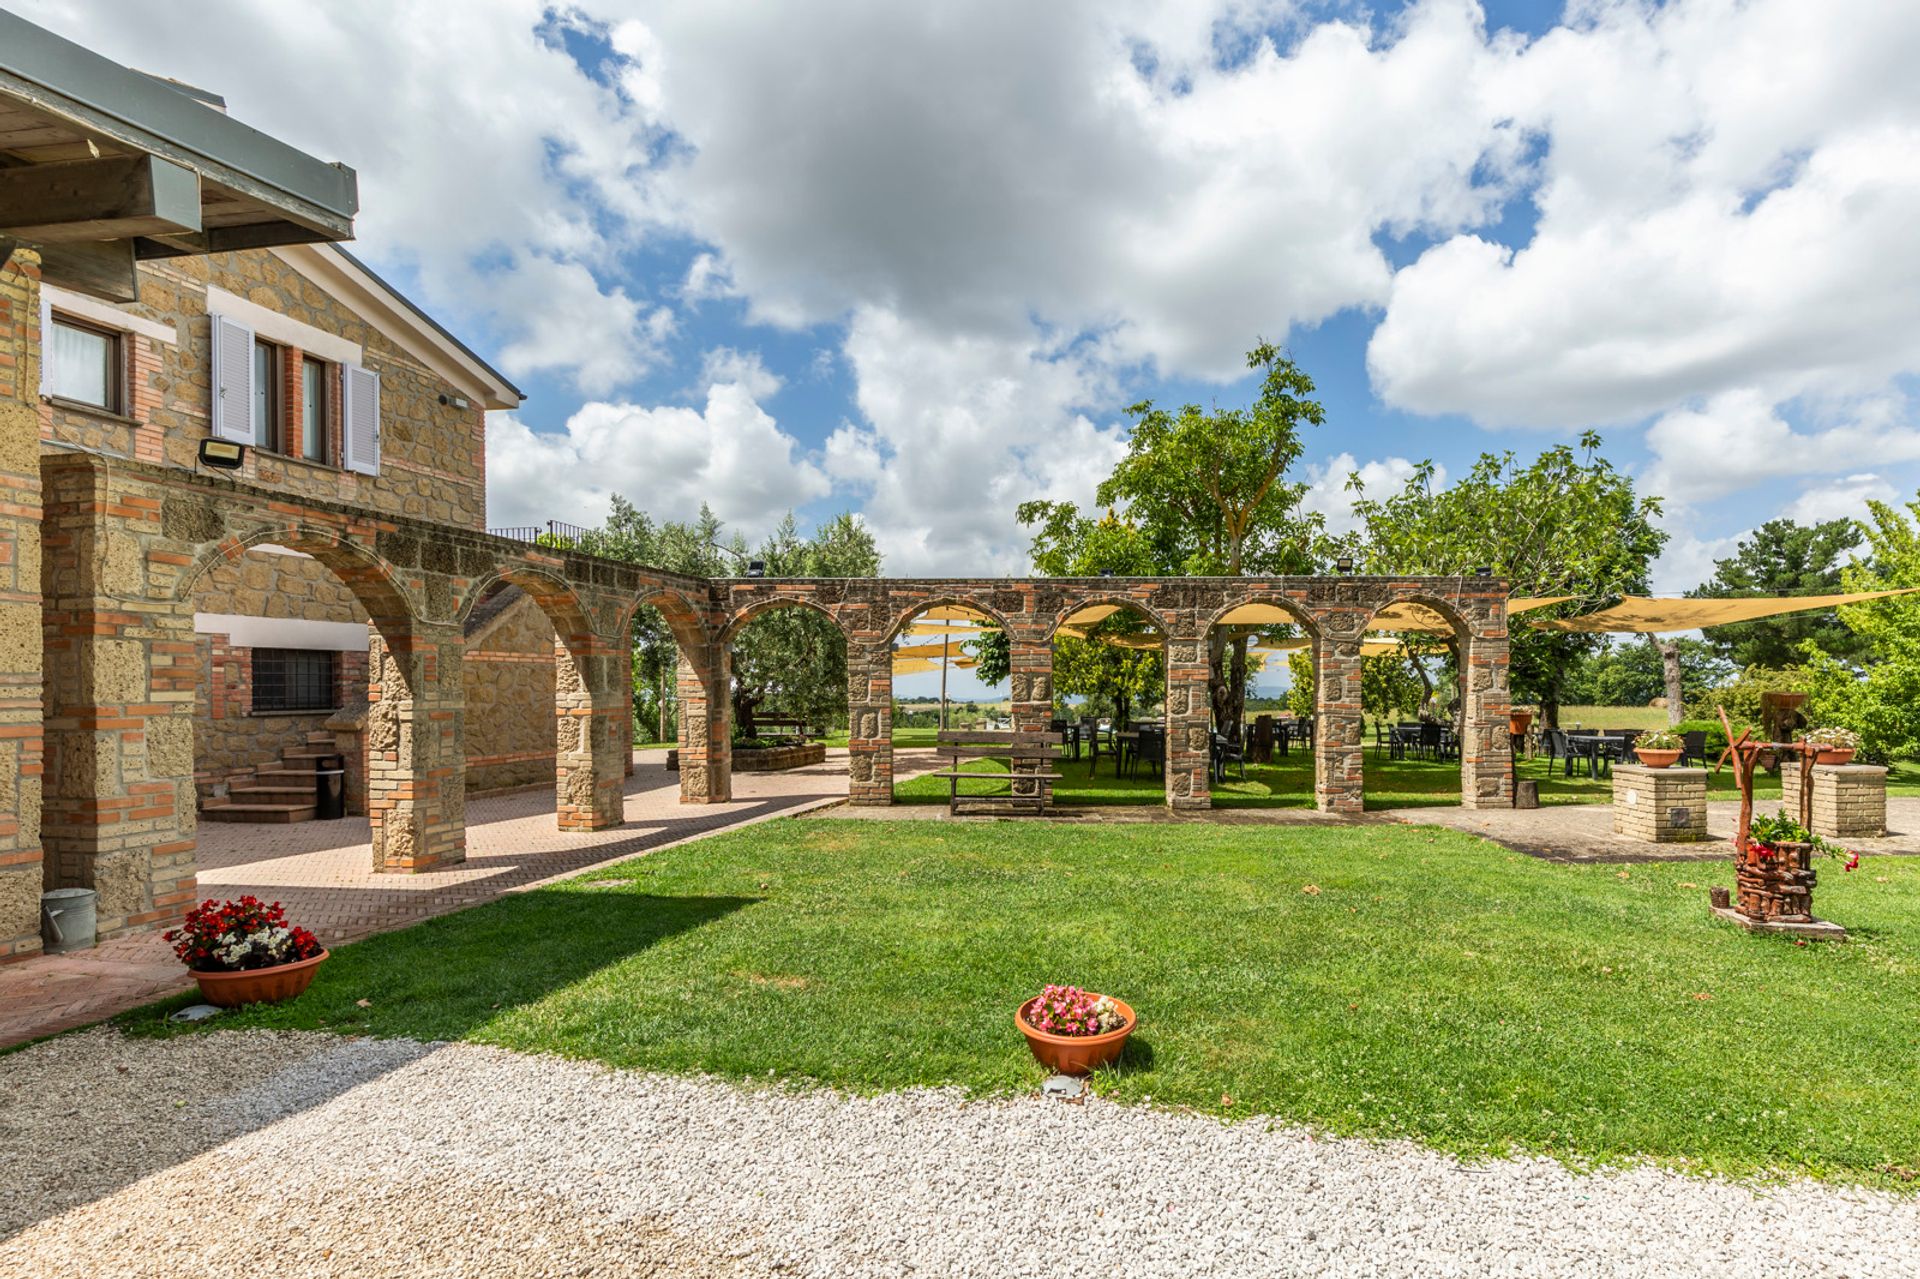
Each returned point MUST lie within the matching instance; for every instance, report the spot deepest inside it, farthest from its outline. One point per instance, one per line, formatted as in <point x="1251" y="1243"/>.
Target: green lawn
<point x="1383" y="980"/>
<point x="1288" y="783"/>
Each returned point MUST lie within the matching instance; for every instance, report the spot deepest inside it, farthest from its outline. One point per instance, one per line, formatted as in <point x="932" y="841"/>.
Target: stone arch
<point x="1485" y="760"/>
<point x="1125" y="602"/>
<point x="1301" y="615"/>
<point x="557" y="597"/>
<point x="744" y="616"/>
<point x="904" y="618"/>
<point x="388" y="602"/>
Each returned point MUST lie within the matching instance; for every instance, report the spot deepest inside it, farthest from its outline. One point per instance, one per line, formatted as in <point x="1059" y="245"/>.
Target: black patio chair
<point x="1153" y="750"/>
<point x="1226" y="752"/>
<point x="1382" y="739"/>
<point x="1431" y="741"/>
<point x="1693" y="747"/>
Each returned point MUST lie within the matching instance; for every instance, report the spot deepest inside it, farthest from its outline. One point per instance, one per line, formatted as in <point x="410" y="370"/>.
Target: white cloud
<point x="1844" y="499"/>
<point x="1327" y="491"/>
<point x="1688" y="559"/>
<point x="743" y="368"/>
<point x="1739" y="438"/>
<point x="666" y="460"/>
<point x="1727" y="199"/>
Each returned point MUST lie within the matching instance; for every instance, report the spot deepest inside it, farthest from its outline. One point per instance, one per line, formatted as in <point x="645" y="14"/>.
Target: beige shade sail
<point x="952" y="613"/>
<point x="950" y="649"/>
<point x="1430" y="621"/>
<point x="1090" y="615"/>
<point x="1641" y="615"/>
<point x="1257" y="615"/>
<point x="944" y="628"/>
<point x="921" y="665"/>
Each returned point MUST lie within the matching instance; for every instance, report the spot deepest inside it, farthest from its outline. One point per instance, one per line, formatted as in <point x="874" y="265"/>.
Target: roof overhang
<point x="136" y="168"/>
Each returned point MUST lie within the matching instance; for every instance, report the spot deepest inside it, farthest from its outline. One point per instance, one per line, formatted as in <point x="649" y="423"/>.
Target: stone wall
<point x="22" y="874"/>
<point x="774" y="759"/>
<point x="432" y="454"/>
<point x="232" y="742"/>
<point x="1660" y="805"/>
<point x="510" y="714"/>
<point x="1849" y="800"/>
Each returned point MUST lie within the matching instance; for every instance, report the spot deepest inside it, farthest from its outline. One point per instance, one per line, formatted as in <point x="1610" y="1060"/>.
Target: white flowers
<point x="275" y="943"/>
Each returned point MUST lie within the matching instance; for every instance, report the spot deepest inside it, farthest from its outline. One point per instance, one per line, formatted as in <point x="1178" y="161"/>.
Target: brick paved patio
<point x="323" y="872"/>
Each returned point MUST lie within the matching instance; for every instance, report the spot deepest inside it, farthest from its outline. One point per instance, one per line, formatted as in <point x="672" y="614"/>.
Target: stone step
<point x="308" y="760"/>
<point x="277" y="813"/>
<point x="272" y="794"/>
<point x="321" y="741"/>
<point x="283" y="777"/>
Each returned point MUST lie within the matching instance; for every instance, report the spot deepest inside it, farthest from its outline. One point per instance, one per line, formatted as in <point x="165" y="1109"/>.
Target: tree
<point x="1631" y="671"/>
<point x="1568" y="524"/>
<point x="1784" y="558"/>
<point x="1209" y="493"/>
<point x="1879" y="701"/>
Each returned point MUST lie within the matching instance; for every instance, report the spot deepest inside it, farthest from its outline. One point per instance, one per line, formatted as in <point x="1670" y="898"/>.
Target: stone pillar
<point x="1849" y="800"/>
<point x="349" y="728"/>
<point x="624" y="658"/>
<point x="589" y="706"/>
<point x="706" y="745"/>
<point x="21" y="872"/>
<point x="1660" y="805"/>
<point x="416" y="754"/>
<point x="1030" y="687"/>
<point x="869" y="721"/>
<point x="1339" y="778"/>
<point x="1189" y="723"/>
<point x="121" y="672"/>
<point x="1486" y="776"/>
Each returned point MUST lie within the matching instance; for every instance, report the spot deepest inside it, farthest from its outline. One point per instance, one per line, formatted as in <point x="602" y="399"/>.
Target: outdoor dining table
<point x="1599" y="749"/>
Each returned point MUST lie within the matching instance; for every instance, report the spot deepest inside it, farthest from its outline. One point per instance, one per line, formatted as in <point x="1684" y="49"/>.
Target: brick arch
<point x="389" y="603"/>
<point x="744" y="616"/>
<point x="556" y="597"/>
<point x="1302" y="616"/>
<point x="903" y="619"/>
<point x="1463" y="627"/>
<point x="1126" y="602"/>
<point x="684" y="619"/>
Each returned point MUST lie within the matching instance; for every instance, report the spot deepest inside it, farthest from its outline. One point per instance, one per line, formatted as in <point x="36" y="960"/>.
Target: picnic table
<point x="1029" y="757"/>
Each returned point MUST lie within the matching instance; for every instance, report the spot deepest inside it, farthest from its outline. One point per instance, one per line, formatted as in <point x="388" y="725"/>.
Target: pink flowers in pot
<point x="1071" y="1011"/>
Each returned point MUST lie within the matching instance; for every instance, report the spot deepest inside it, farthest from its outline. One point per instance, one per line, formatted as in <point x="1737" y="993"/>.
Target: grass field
<point x="1388" y="981"/>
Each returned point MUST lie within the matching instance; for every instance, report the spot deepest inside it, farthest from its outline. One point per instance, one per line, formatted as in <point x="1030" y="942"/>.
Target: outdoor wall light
<point x="1485" y="570"/>
<point x="1344" y="564"/>
<point x="756" y="568"/>
<point x="1106" y="572"/>
<point x="225" y="455"/>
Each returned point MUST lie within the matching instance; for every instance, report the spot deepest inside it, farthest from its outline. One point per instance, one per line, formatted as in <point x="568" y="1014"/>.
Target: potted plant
<point x="1518" y="722"/>
<point x="245" y="952"/>
<point x="1073" y="1031"/>
<point x="1775" y="879"/>
<point x="1661" y="748"/>
<point x="1835" y="745"/>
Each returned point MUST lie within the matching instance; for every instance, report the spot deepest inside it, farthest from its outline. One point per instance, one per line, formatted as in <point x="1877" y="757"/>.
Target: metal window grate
<point x="293" y="679"/>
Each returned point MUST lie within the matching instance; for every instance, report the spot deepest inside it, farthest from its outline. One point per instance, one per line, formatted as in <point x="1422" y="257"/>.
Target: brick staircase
<point x="279" y="792"/>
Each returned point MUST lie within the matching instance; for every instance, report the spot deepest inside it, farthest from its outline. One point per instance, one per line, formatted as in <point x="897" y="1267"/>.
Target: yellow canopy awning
<point x="921" y="665"/>
<point x="1419" y="617"/>
<point x="1642" y="615"/>
<point x="952" y="613"/>
<point x="1090" y="615"/>
<point x="943" y="628"/>
<point x="1258" y="615"/>
<point x="949" y="649"/>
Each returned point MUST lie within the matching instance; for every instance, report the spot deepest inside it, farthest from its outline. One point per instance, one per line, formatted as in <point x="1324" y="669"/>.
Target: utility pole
<point x="946" y="646"/>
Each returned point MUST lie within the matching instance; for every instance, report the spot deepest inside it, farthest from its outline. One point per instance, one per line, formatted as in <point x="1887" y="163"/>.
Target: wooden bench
<point x="1029" y="757"/>
<point x="767" y="727"/>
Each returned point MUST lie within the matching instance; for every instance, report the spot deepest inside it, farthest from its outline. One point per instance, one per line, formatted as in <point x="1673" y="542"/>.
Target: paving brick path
<point x="323" y="872"/>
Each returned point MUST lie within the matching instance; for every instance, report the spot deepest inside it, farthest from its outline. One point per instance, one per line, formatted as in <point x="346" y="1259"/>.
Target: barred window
<point x="293" y="679"/>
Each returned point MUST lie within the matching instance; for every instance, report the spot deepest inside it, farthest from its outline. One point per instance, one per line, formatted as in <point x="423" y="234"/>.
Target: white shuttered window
<point x="233" y="410"/>
<point x="360" y="419"/>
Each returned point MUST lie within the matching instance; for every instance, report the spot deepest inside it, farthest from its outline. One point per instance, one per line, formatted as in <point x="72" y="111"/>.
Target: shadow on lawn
<point x="443" y="979"/>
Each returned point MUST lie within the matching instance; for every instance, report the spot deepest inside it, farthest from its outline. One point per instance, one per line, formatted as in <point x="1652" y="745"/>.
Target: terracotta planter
<point x="1834" y="755"/>
<point x="1518" y="722"/>
<point x="1657" y="759"/>
<point x="258" y="985"/>
<point x="1075" y="1054"/>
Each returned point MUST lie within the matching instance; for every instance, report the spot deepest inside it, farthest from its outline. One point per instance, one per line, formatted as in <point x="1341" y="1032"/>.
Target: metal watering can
<point x="67" y="919"/>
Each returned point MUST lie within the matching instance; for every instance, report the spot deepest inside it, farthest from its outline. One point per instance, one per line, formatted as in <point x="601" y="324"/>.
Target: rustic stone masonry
<point x="21" y="870"/>
<point x="773" y="759"/>
<point x="1849" y="800"/>
<point x="1660" y="805"/>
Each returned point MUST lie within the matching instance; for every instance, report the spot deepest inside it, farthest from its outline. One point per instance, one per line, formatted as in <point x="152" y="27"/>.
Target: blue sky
<point x="913" y="260"/>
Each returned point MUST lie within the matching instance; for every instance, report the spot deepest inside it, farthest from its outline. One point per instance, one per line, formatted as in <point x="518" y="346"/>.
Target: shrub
<point x="1716" y="736"/>
<point x="1740" y="696"/>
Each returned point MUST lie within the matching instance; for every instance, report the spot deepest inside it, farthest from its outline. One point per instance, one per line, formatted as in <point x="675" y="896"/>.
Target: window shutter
<point x="46" y="345"/>
<point x="360" y="422"/>
<point x="232" y="380"/>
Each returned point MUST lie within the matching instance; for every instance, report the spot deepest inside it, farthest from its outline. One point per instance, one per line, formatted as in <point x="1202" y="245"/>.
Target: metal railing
<point x="534" y="532"/>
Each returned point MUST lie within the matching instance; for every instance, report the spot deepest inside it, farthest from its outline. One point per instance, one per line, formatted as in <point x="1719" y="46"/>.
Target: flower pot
<point x="1657" y="759"/>
<point x="1075" y="1054"/>
<point x="1519" y="721"/>
<point x="1834" y="755"/>
<point x="258" y="985"/>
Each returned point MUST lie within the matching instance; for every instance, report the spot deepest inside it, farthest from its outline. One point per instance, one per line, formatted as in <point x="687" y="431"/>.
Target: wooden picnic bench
<point x="770" y="726"/>
<point x="1029" y="774"/>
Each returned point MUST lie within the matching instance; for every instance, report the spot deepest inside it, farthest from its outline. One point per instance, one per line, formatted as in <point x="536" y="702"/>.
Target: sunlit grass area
<point x="1394" y="981"/>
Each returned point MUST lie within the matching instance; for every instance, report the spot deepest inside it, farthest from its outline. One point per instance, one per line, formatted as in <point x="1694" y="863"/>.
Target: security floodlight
<point x="1344" y="564"/>
<point x="225" y="455"/>
<point x="756" y="568"/>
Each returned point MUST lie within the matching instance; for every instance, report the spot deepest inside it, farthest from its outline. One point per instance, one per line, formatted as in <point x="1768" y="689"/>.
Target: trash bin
<point x="67" y="919"/>
<point x="330" y="787"/>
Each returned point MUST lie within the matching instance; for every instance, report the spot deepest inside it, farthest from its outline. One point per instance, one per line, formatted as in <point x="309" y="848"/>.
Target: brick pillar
<point x="1189" y="723"/>
<point x="869" y="721"/>
<point x="587" y="738"/>
<point x="1339" y="783"/>
<point x="623" y="657"/>
<point x="416" y="761"/>
<point x="21" y="872"/>
<point x="1486" y="779"/>
<point x="1030" y="685"/>
<point x="122" y="668"/>
<point x="706" y="746"/>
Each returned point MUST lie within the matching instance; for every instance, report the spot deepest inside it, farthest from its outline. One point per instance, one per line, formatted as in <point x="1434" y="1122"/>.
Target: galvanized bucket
<point x="67" y="919"/>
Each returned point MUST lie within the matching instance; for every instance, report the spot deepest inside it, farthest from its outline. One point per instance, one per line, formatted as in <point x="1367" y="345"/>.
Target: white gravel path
<point x="253" y="1153"/>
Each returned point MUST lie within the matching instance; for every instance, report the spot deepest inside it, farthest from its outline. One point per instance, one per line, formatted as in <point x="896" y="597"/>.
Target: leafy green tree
<point x="1784" y="558"/>
<point x="1631" y="671"/>
<point x="1881" y="701"/>
<point x="1569" y="523"/>
<point x="1390" y="688"/>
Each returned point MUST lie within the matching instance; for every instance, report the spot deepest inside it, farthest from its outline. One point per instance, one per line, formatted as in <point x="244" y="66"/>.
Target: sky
<point x="914" y="260"/>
